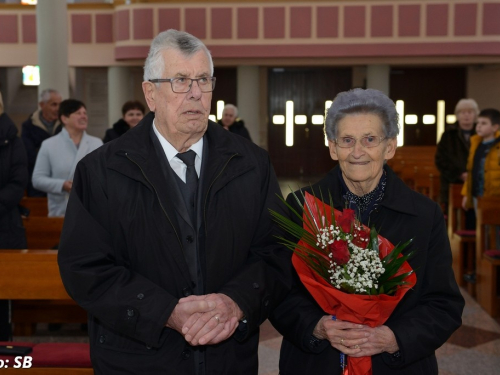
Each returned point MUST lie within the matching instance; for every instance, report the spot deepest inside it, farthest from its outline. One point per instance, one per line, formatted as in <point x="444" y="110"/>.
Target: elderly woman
<point x="231" y="122"/>
<point x="132" y="112"/>
<point x="453" y="148"/>
<point x="361" y="127"/>
<point x="56" y="161"/>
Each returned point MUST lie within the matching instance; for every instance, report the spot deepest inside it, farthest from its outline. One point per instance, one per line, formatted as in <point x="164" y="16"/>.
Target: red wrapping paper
<point x="356" y="308"/>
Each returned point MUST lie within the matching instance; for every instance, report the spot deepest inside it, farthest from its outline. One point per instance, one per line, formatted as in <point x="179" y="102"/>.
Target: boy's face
<point x="485" y="129"/>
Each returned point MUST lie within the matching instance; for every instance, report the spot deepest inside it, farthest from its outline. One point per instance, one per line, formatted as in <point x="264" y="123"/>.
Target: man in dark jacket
<point x="13" y="181"/>
<point x="42" y="124"/>
<point x="174" y="259"/>
<point x="230" y="121"/>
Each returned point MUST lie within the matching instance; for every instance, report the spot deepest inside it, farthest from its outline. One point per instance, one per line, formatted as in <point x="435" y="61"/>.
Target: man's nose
<point x="195" y="89"/>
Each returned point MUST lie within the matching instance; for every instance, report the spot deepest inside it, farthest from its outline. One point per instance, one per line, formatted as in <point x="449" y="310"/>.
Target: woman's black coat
<point x="119" y="128"/>
<point x="13" y="182"/>
<point x="426" y="316"/>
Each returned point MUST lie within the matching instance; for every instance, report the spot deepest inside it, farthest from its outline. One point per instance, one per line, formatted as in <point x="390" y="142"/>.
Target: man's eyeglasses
<point x="369" y="141"/>
<point x="182" y="85"/>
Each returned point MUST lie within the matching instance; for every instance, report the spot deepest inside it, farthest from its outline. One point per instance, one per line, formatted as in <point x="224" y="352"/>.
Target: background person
<point x="13" y="182"/>
<point x="231" y="122"/>
<point x="42" y="124"/>
<point x="362" y="126"/>
<point x="56" y="161"/>
<point x="168" y="242"/>
<point x="453" y="149"/>
<point x="132" y="112"/>
<point x="483" y="166"/>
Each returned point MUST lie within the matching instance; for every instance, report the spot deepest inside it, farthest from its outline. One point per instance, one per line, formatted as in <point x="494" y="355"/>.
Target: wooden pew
<point x="43" y="232"/>
<point x="462" y="241"/>
<point x="426" y="181"/>
<point x="37" y="206"/>
<point x="487" y="229"/>
<point x="410" y="163"/>
<point x="30" y="278"/>
<point x="34" y="275"/>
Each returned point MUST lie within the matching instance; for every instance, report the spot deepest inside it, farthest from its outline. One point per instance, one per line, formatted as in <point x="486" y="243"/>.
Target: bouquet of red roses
<point x="351" y="271"/>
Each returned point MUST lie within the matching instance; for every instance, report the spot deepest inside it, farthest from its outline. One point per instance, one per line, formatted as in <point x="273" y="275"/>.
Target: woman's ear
<point x="64" y="120"/>
<point x="390" y="150"/>
<point x="333" y="150"/>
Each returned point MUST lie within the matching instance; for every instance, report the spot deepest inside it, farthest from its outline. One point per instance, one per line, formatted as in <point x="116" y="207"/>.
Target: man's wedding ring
<point x="356" y="346"/>
<point x="217" y="318"/>
<point x="341" y="341"/>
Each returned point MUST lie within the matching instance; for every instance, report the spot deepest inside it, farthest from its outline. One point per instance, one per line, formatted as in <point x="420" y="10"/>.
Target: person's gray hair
<point x="46" y="94"/>
<point x="360" y="101"/>
<point x="172" y="39"/>
<point x="465" y="104"/>
<point x="234" y="108"/>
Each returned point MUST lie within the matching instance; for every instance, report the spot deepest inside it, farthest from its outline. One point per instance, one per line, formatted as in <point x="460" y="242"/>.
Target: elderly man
<point x="38" y="127"/>
<point x="167" y="240"/>
<point x="231" y="122"/>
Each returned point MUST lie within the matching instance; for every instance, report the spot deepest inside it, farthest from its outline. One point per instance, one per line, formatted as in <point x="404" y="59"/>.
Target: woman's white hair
<point x="233" y="107"/>
<point x="464" y="104"/>
<point x="172" y="39"/>
<point x="360" y="101"/>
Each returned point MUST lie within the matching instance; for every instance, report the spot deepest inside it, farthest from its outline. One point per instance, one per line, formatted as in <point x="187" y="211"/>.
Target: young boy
<point x="483" y="164"/>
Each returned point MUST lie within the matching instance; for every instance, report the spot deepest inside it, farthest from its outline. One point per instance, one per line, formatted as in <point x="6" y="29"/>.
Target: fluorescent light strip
<point x="220" y="108"/>
<point x="278" y="120"/>
<point x="328" y="104"/>
<point x="400" y="109"/>
<point x="429" y="119"/>
<point x="451" y="119"/>
<point x="289" y="124"/>
<point x="317" y="120"/>
<point x="440" y="119"/>
<point x="300" y="119"/>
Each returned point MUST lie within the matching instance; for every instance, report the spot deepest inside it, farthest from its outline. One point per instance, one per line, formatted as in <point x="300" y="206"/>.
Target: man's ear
<point x="390" y="150"/>
<point x="149" y="90"/>
<point x="333" y="150"/>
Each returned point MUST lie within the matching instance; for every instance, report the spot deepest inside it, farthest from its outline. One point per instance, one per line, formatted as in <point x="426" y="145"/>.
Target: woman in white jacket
<point x="56" y="161"/>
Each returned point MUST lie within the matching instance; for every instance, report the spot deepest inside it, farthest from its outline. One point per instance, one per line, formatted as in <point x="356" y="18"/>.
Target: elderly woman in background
<point x="230" y="121"/>
<point x="361" y="127"/>
<point x="56" y="161"/>
<point x="453" y="149"/>
<point x="132" y="112"/>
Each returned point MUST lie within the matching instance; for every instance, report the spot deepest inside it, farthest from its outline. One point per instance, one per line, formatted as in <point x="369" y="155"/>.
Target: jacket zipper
<point x="208" y="191"/>
<point x="158" y="197"/>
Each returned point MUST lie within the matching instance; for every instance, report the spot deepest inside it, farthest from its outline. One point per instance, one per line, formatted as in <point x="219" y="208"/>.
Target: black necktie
<point x="191" y="180"/>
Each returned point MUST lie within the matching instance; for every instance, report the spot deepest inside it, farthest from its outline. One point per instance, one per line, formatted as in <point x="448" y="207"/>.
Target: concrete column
<point x="249" y="100"/>
<point x="378" y="77"/>
<point x="119" y="91"/>
<point x="52" y="43"/>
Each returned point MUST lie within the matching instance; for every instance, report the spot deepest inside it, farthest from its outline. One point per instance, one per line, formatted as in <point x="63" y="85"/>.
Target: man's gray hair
<point x="233" y="107"/>
<point x="172" y="39"/>
<point x="45" y="95"/>
<point x="360" y="101"/>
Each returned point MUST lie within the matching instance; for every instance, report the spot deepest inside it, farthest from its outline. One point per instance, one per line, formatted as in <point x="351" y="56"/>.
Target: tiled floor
<point x="473" y="350"/>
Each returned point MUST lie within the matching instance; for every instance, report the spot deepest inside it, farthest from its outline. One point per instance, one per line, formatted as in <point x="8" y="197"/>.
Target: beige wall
<point x="483" y="85"/>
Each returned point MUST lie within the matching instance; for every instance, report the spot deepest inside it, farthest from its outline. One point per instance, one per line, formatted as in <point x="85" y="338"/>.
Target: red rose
<point x="346" y="220"/>
<point x="340" y="252"/>
<point x="361" y="239"/>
